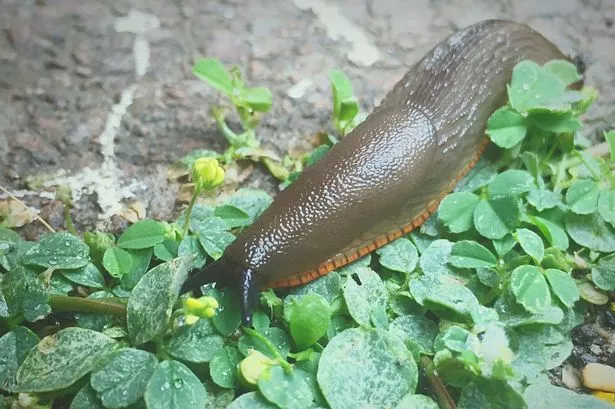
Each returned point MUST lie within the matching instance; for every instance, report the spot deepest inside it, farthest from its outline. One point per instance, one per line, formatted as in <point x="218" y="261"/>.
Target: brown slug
<point x="389" y="174"/>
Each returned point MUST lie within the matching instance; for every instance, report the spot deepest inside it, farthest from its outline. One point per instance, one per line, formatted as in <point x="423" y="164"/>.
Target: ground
<point x="100" y="95"/>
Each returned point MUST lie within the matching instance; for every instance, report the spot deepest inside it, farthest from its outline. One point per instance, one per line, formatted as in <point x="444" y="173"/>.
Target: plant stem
<point x="69" y="221"/>
<point x="435" y="384"/>
<point x="40" y="219"/>
<point x="275" y="351"/>
<point x="110" y="306"/>
<point x="197" y="192"/>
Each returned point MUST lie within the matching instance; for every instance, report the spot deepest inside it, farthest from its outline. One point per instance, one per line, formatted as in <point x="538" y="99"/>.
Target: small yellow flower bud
<point x="207" y="173"/>
<point x="252" y="366"/>
<point x="192" y="304"/>
<point x="191" y="319"/>
<point x="209" y="312"/>
<point x="211" y="302"/>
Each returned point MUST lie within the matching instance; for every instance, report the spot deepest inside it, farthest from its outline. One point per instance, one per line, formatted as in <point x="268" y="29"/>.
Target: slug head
<point x="233" y="276"/>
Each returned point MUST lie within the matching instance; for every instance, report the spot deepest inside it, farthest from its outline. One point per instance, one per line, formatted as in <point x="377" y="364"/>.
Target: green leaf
<point x="359" y="358"/>
<point x="606" y="205"/>
<point x="531" y="243"/>
<point x="195" y="343"/>
<point x="490" y="394"/>
<point x="511" y="183"/>
<point x="480" y="175"/>
<point x="399" y="255"/>
<point x="88" y="275"/>
<point x="59" y="250"/>
<point x="223" y="367"/>
<point x="215" y="74"/>
<point x="564" y="70"/>
<point x="591" y="231"/>
<point x="417" y="329"/>
<point x="215" y="242"/>
<point x="276" y="336"/>
<point x="25" y="294"/>
<point x="434" y="260"/>
<point x="138" y="267"/>
<point x="590" y="294"/>
<point x="253" y="202"/>
<point x="14" y="346"/>
<point x="506" y="128"/>
<point x="552" y="231"/>
<point x="141" y="235"/>
<point x="531" y="289"/>
<point x="228" y="319"/>
<point x="547" y="396"/>
<point x="532" y="86"/>
<point x="167" y="250"/>
<point x="603" y="273"/>
<point x="151" y="301"/>
<point x="190" y="246"/>
<point x="117" y="261"/>
<point x="457" y="210"/>
<point x="174" y="386"/>
<point x="86" y="399"/>
<point x="451" y="302"/>
<point x="553" y="121"/>
<point x="470" y="254"/>
<point x="504" y="245"/>
<point x="96" y="322"/>
<point x="582" y="197"/>
<point x="251" y="400"/>
<point x="494" y="218"/>
<point x="286" y="390"/>
<point x="563" y="286"/>
<point x="259" y="98"/>
<point x="329" y="286"/>
<point x="609" y="137"/>
<point x="417" y="402"/>
<point x="345" y="106"/>
<point x="122" y="381"/>
<point x="362" y="299"/>
<point x="61" y="359"/>
<point x="233" y="216"/>
<point x="543" y="199"/>
<point x="309" y="320"/>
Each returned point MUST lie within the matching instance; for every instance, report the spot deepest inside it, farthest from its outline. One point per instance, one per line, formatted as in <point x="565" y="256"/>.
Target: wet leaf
<point x="151" y="301"/>
<point x="174" y="386"/>
<point x="357" y="360"/>
<point x="59" y="250"/>
<point x="61" y="359"/>
<point x="121" y="382"/>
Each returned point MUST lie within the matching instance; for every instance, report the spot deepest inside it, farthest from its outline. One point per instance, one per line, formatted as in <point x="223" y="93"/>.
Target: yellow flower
<point x="252" y="366"/>
<point x="204" y="307"/>
<point x="207" y="173"/>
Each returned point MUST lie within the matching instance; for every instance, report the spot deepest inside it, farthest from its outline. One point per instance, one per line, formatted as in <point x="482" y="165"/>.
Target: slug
<point x="390" y="173"/>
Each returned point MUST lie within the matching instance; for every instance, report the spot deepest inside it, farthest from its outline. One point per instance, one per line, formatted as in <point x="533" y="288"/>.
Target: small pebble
<point x="571" y="378"/>
<point x="599" y="377"/>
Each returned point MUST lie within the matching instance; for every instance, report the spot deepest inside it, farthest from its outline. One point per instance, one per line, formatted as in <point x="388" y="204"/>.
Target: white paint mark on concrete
<point x="363" y="51"/>
<point x="141" y="52"/>
<point x="106" y="180"/>
<point x="24" y="192"/>
<point x="136" y="22"/>
<point x="299" y="89"/>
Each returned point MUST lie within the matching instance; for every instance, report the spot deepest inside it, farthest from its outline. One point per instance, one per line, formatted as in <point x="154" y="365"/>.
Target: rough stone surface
<point x="65" y="66"/>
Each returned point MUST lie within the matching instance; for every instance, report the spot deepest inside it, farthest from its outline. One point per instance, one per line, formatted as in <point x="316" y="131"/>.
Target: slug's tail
<point x="227" y="274"/>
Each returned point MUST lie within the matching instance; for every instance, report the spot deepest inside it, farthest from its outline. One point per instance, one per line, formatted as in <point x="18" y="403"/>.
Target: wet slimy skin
<point x="389" y="174"/>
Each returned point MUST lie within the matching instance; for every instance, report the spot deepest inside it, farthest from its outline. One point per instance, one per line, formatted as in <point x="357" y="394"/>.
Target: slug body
<point x="389" y="174"/>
